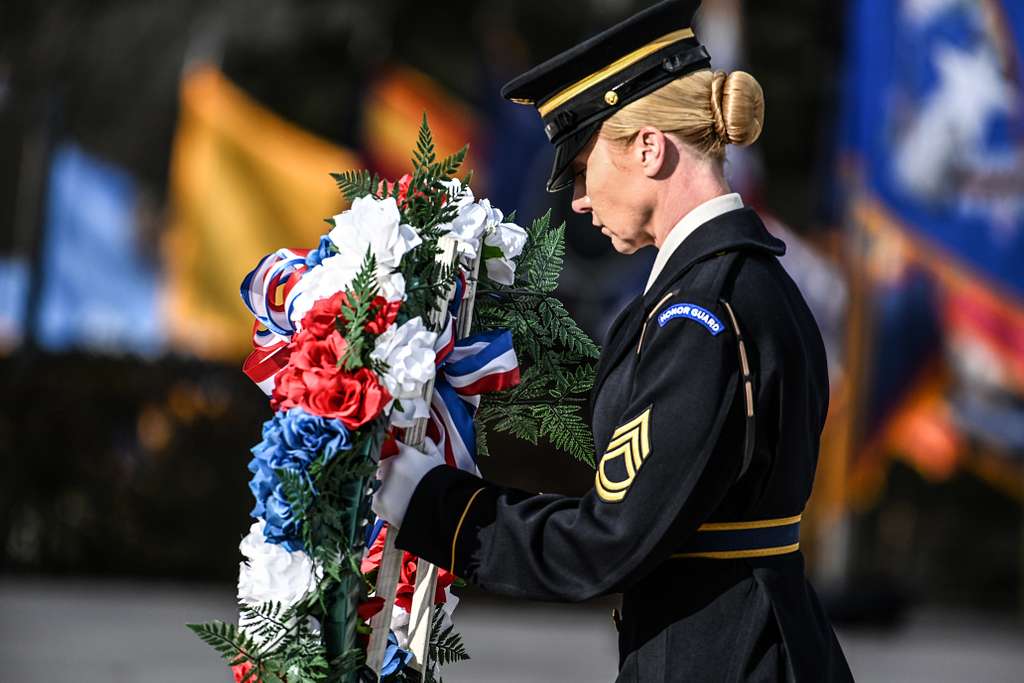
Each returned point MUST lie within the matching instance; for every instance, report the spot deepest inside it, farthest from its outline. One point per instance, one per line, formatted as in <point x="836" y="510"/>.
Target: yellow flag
<point x="244" y="182"/>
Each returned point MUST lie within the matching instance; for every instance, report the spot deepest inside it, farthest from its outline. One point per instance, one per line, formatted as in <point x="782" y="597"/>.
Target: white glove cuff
<point x="401" y="474"/>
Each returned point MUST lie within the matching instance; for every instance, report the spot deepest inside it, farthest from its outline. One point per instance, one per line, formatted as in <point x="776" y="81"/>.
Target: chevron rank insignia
<point x="628" y="448"/>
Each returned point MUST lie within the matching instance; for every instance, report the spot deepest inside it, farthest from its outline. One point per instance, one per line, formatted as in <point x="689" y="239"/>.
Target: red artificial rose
<point x="407" y="577"/>
<point x="313" y="381"/>
<point x="322" y="318"/>
<point x="289" y="389"/>
<point x="387" y="187"/>
<point x="369" y="607"/>
<point x="384" y="313"/>
<point x="242" y="670"/>
<point x="403" y="188"/>
<point x="372" y="558"/>
<point x="356" y="399"/>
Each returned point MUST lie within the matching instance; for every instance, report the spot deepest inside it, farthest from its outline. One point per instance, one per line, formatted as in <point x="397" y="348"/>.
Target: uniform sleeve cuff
<point x="445" y="512"/>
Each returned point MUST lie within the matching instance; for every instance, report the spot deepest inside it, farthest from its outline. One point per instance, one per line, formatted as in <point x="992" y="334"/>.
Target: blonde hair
<point x="706" y="109"/>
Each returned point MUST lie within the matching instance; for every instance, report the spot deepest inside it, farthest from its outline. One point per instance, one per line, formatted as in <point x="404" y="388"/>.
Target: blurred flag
<point x="393" y="110"/>
<point x="244" y="182"/>
<point x="823" y="286"/>
<point x="825" y="289"/>
<point x="99" y="282"/>
<point x="934" y="143"/>
<point x="13" y="297"/>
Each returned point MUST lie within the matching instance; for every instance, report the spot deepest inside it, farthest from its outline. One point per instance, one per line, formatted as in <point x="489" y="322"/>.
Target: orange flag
<point x="244" y="182"/>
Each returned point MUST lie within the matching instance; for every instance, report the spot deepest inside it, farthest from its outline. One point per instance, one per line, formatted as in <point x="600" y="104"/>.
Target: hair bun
<point x="717" y="115"/>
<point x="737" y="105"/>
<point x="705" y="109"/>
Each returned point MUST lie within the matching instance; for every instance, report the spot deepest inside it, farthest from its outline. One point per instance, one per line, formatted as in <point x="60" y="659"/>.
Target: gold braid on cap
<point x="615" y="67"/>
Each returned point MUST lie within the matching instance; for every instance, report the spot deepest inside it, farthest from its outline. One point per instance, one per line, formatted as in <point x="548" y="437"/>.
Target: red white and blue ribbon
<point x="266" y="289"/>
<point x="269" y="357"/>
<point x="467" y="368"/>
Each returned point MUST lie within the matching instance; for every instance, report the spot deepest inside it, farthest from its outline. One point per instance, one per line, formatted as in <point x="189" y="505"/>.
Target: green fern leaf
<point x="565" y="329"/>
<point x="446" y="646"/>
<point x="450" y="165"/>
<point x="565" y="428"/>
<point x="228" y="640"/>
<point x="540" y="264"/>
<point x="424" y="155"/>
<point x="355" y="184"/>
<point x="482" y="449"/>
<point x="356" y="312"/>
<point x="520" y="425"/>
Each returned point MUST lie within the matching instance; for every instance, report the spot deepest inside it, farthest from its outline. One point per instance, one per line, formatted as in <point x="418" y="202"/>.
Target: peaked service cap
<point x="578" y="89"/>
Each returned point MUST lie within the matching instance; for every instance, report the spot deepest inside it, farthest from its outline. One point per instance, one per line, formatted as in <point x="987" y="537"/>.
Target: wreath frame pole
<point x="391" y="560"/>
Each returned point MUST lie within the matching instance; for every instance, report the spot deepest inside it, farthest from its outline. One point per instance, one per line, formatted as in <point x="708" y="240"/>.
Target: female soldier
<point x="710" y="396"/>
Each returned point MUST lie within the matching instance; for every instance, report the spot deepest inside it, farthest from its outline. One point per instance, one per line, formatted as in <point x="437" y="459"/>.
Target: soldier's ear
<point x="650" y="147"/>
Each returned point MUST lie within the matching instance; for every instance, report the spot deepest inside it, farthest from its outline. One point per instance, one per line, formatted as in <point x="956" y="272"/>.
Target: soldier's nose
<point x="581" y="202"/>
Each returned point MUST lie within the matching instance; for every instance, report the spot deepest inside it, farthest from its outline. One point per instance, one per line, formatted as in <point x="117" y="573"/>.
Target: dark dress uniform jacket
<point x="670" y="417"/>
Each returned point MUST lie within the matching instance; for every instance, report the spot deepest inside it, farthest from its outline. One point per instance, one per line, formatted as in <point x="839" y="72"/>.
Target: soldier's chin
<point x="622" y="246"/>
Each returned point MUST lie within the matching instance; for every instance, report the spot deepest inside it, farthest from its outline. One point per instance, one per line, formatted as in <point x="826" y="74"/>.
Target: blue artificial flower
<point x="324" y="250"/>
<point x="395" y="658"/>
<point x="292" y="440"/>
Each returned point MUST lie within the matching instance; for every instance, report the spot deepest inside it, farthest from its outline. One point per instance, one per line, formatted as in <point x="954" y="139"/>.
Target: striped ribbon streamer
<point x="269" y="357"/>
<point x="466" y="368"/>
<point x="267" y="288"/>
<point x="474" y="365"/>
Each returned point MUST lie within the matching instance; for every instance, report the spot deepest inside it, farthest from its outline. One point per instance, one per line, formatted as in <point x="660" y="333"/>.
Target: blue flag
<point x="934" y="125"/>
<point x="13" y="293"/>
<point x="933" y="149"/>
<point x="100" y="283"/>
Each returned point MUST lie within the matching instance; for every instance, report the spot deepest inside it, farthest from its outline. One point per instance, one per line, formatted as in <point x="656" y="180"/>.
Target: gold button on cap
<point x="611" y="97"/>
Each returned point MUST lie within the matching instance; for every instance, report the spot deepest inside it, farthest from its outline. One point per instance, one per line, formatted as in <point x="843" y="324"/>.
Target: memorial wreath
<point x="423" y="315"/>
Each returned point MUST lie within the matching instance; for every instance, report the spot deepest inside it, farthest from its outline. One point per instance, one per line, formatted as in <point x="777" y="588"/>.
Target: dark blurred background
<point x="151" y="153"/>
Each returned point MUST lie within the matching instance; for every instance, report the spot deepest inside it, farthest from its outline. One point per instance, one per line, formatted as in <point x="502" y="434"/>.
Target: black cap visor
<point x="565" y="151"/>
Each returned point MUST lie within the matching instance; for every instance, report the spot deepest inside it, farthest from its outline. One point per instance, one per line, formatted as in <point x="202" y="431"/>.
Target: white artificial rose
<point x="467" y="227"/>
<point x="334" y="274"/>
<point x="270" y="573"/>
<point x="408" y="352"/>
<point x="461" y="195"/>
<point x="494" y="214"/>
<point x="470" y="220"/>
<point x="373" y="225"/>
<point x="510" y="239"/>
<point x="391" y="285"/>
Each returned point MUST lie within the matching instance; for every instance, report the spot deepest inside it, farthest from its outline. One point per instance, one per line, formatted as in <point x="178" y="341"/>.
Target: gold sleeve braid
<point x="458" y="527"/>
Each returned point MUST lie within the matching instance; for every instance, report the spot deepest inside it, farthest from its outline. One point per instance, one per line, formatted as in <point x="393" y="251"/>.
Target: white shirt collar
<point x="697" y="217"/>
